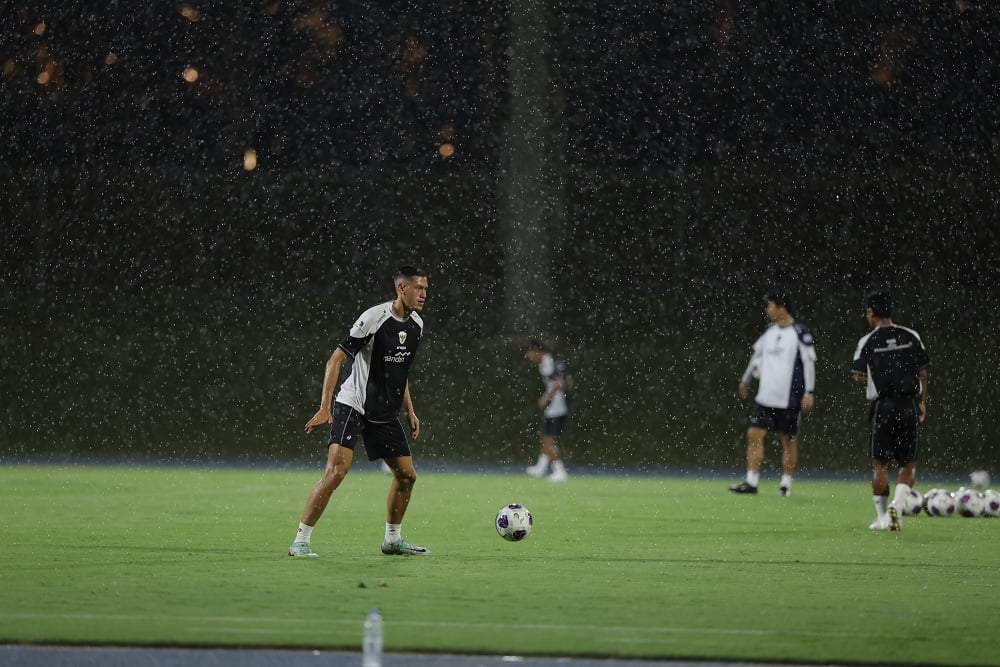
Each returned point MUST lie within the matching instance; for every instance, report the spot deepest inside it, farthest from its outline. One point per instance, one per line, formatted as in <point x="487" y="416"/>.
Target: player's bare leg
<point x="905" y="480"/>
<point x="404" y="476"/>
<point x="338" y="464"/>
<point x="755" y="448"/>
<point x="789" y="460"/>
<point x="907" y="474"/>
<point x="880" y="494"/>
<point x="755" y="455"/>
<point x="550" y="448"/>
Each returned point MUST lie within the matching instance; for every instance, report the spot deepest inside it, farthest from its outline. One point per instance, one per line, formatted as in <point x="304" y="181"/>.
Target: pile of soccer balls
<point x="944" y="503"/>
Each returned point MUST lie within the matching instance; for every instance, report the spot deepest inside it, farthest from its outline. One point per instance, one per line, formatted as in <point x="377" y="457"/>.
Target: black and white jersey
<point x="784" y="358"/>
<point x="551" y="369"/>
<point x="891" y="357"/>
<point x="383" y="347"/>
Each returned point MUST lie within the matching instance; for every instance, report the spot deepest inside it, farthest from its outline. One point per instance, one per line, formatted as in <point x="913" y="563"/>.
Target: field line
<point x="202" y="623"/>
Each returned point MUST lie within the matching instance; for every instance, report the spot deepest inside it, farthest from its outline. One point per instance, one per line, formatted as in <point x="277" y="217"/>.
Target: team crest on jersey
<point x="402" y="337"/>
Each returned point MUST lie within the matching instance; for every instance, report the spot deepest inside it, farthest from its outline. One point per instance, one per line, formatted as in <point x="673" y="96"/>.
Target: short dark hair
<point x="780" y="298"/>
<point x="880" y="301"/>
<point x="407" y="272"/>
<point x="534" y="345"/>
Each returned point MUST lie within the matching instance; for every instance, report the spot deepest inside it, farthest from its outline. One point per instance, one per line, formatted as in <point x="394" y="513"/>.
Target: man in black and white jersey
<point x="382" y="344"/>
<point x="784" y="360"/>
<point x="891" y="361"/>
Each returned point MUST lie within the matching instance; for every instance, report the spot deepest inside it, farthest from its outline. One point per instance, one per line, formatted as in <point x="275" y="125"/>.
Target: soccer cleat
<point x="784" y="491"/>
<point x="558" y="476"/>
<point x="879" y="524"/>
<point x="743" y="487"/>
<point x="402" y="548"/>
<point x="536" y="471"/>
<point x="894" y="521"/>
<point x="301" y="550"/>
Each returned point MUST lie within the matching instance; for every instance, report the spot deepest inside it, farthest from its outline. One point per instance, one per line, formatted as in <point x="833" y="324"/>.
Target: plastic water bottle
<point x="371" y="647"/>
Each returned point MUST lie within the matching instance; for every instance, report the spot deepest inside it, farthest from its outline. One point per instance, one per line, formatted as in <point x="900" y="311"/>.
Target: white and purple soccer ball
<point x="969" y="502"/>
<point x="939" y="503"/>
<point x="992" y="499"/>
<point x="913" y="502"/>
<point x="514" y="522"/>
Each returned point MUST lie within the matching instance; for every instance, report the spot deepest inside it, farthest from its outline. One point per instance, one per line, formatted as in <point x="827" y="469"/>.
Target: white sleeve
<point x="808" y="353"/>
<point x="753" y="368"/>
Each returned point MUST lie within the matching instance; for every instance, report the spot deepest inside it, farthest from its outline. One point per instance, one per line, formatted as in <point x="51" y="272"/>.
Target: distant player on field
<point x="784" y="358"/>
<point x="555" y="406"/>
<point x="891" y="362"/>
<point x="382" y="344"/>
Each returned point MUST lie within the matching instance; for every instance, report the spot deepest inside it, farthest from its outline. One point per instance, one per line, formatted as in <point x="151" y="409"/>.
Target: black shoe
<point x="784" y="491"/>
<point x="743" y="487"/>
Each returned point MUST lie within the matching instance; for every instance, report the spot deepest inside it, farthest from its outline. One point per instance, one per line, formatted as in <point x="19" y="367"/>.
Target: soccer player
<point x="784" y="360"/>
<point x="892" y="362"/>
<point x="555" y="406"/>
<point x="382" y="344"/>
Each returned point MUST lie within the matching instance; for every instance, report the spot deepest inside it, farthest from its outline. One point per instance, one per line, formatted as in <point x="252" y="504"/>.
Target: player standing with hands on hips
<point x="891" y="362"/>
<point x="784" y="358"/>
<point x="382" y="344"/>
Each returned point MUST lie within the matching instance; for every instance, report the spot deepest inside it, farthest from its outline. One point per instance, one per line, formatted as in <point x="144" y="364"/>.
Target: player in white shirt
<point x="555" y="406"/>
<point x="784" y="360"/>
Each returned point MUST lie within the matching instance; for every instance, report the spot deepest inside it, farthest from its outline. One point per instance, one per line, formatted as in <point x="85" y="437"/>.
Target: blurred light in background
<point x="250" y="159"/>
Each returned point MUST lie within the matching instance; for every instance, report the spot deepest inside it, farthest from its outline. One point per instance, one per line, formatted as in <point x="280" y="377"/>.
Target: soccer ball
<point x="980" y="478"/>
<point x="970" y="502"/>
<point x="912" y="503"/>
<point x="992" y="499"/>
<point x="513" y="522"/>
<point x="940" y="503"/>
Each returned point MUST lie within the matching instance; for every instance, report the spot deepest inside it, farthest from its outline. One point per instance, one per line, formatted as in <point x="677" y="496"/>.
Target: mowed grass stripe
<point x="633" y="566"/>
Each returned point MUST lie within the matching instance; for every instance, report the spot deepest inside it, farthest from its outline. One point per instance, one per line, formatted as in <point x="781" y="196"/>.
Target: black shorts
<point x="782" y="420"/>
<point x="894" y="430"/>
<point x="553" y="425"/>
<point x="382" y="439"/>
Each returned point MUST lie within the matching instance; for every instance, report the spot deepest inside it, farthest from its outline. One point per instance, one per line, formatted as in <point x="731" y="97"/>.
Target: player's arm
<point x="410" y="414"/>
<point x="859" y="364"/>
<point x="330" y="377"/>
<point x="752" y="370"/>
<point x="808" y="354"/>
<point x="557" y="385"/>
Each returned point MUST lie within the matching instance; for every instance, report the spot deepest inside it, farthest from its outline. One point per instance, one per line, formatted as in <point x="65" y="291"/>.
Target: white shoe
<point x="536" y="471"/>
<point x="558" y="476"/>
<point x="879" y="524"/>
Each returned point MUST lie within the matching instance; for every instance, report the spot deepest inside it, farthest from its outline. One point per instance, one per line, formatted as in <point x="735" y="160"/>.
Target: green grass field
<point x="625" y="566"/>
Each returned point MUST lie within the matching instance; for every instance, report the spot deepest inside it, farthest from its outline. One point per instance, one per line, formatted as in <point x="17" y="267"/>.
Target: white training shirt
<point x="785" y="360"/>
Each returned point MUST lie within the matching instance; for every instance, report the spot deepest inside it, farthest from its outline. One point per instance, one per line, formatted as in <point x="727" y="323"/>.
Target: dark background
<point x="161" y="300"/>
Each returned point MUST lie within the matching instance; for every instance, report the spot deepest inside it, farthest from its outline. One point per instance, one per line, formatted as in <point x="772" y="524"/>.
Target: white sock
<point x="304" y="534"/>
<point x="543" y="461"/>
<point x="753" y="478"/>
<point x="558" y="466"/>
<point x="786" y="481"/>
<point x="881" y="503"/>
<point x="899" y="499"/>
<point x="393" y="532"/>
